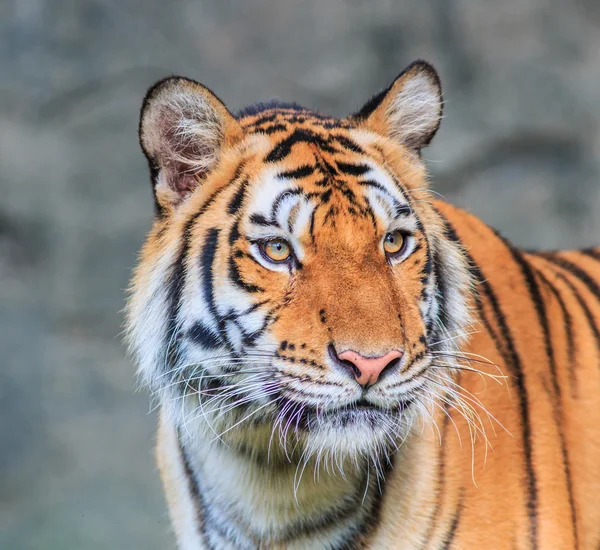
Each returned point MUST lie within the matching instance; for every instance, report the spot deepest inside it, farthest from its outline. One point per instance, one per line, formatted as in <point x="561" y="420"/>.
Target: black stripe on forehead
<point x="348" y="143"/>
<point x="260" y="219"/>
<point x="376" y="185"/>
<point x="280" y="198"/>
<point x="297" y="173"/>
<point x="353" y="169"/>
<point x="284" y="147"/>
<point x="272" y="129"/>
<point x="396" y="208"/>
<point x="404" y="192"/>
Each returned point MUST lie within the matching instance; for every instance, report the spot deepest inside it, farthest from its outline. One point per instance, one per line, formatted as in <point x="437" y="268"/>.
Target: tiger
<point x="340" y="358"/>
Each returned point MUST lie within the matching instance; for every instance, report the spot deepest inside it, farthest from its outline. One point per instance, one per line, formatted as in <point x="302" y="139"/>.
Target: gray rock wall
<point x="519" y="145"/>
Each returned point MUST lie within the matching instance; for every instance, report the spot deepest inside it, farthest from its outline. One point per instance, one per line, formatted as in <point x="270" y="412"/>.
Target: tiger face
<point x="297" y="294"/>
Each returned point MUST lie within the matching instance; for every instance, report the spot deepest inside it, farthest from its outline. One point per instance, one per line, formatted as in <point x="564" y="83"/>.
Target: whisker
<point x="245" y="418"/>
<point x="451" y="338"/>
<point x="496" y="377"/>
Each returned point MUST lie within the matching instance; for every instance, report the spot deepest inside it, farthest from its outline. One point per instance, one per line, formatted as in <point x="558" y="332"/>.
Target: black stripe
<point x="236" y="278"/>
<point x="327" y="168"/>
<point x="368" y="211"/>
<point x="449" y="537"/>
<point x="576" y="270"/>
<point x="361" y="534"/>
<point x="311" y="227"/>
<point x="568" y="327"/>
<point x="477" y="276"/>
<point x="330" y="125"/>
<point x="326" y="196"/>
<point x="401" y="210"/>
<point x="192" y="485"/>
<point x="273" y="128"/>
<point x="583" y="304"/>
<point x="511" y="357"/>
<point x="425" y="281"/>
<point x="323" y="182"/>
<point x="234" y="235"/>
<point x="233" y="269"/>
<point x="203" y="335"/>
<point x="352" y="169"/>
<point x="175" y="288"/>
<point x="377" y="185"/>
<point x="540" y="308"/>
<point x="592" y="253"/>
<point x="237" y="200"/>
<point x="233" y="315"/>
<point x="279" y="199"/>
<point x="440" y="483"/>
<point x="251" y="337"/>
<point x="259" y="219"/>
<point x="207" y="260"/>
<point x="284" y="147"/>
<point x="348" y="144"/>
<point x="265" y="118"/>
<point x="349" y="194"/>
<point x="194" y="491"/>
<point x="297" y="173"/>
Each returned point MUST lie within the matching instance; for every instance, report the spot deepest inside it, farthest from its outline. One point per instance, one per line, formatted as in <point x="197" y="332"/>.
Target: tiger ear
<point x="184" y="128"/>
<point x="409" y="110"/>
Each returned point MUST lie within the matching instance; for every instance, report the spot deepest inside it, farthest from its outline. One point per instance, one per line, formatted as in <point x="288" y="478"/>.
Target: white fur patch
<point x="415" y="111"/>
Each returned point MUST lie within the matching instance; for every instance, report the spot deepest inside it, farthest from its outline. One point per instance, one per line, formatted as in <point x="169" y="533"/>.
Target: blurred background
<point x="520" y="146"/>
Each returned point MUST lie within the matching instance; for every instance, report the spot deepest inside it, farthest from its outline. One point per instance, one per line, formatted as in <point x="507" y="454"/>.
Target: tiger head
<point x="297" y="290"/>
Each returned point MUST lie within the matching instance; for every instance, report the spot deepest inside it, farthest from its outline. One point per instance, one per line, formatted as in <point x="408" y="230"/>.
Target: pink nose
<point x="369" y="369"/>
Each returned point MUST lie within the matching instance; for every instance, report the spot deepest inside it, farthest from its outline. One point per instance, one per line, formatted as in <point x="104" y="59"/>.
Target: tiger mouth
<point x="360" y="411"/>
<point x="368" y="409"/>
<point x="364" y="405"/>
<point x="364" y="413"/>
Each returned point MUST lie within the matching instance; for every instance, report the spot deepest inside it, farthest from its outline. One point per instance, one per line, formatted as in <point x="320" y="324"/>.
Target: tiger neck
<point x="245" y="502"/>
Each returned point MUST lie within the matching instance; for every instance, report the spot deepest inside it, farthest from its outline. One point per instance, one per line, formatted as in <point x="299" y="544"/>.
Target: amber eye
<point x="394" y="243"/>
<point x="276" y="250"/>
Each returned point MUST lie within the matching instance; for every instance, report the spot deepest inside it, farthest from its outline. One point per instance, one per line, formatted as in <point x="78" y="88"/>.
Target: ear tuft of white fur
<point x="183" y="127"/>
<point x="415" y="111"/>
<point x="410" y="110"/>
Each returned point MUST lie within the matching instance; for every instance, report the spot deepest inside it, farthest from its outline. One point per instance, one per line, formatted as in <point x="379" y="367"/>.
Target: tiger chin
<point x="342" y="360"/>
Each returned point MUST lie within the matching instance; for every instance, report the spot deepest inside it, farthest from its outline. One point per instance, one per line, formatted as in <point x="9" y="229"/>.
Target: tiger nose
<point x="367" y="370"/>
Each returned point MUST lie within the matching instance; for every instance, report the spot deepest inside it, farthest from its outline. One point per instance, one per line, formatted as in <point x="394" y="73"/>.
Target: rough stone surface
<point x="520" y="146"/>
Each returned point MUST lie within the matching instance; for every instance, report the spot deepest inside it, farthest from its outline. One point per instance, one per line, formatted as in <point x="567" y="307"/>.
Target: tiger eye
<point x="277" y="250"/>
<point x="393" y="242"/>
